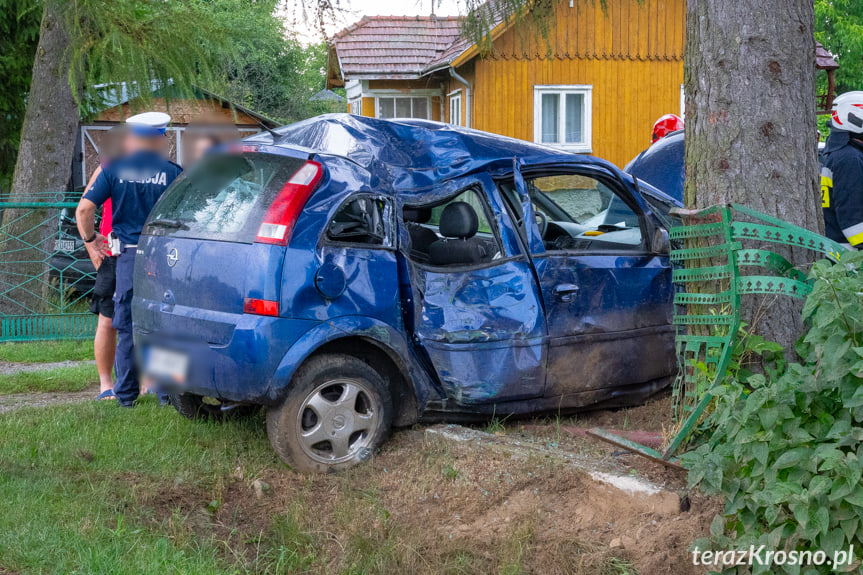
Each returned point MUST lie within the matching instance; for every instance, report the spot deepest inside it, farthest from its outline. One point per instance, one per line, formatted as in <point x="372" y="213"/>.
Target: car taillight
<point x="260" y="306"/>
<point x="280" y="218"/>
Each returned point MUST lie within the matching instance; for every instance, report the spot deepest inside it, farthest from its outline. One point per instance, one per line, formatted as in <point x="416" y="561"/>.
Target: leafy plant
<point x="839" y="27"/>
<point x="450" y="473"/>
<point x="785" y="448"/>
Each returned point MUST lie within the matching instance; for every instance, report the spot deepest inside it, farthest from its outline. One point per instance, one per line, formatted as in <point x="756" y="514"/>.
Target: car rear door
<point x="197" y="257"/>
<point x="481" y="324"/>
<point x="608" y="298"/>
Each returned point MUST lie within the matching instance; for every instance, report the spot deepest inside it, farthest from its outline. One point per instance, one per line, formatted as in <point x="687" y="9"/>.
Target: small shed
<point x="189" y="114"/>
<point x="824" y="60"/>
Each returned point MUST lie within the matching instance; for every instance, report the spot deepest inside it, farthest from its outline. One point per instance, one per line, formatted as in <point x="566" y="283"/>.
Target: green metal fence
<point x="720" y="244"/>
<point x="45" y="274"/>
<point x="717" y="245"/>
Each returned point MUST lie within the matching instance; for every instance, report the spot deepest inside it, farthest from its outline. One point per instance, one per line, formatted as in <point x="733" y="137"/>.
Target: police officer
<point x="133" y="183"/>
<point x="842" y="172"/>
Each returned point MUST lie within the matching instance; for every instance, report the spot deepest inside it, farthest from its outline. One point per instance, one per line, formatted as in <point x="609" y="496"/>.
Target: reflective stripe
<point x="854" y="234"/>
<point x="826" y="186"/>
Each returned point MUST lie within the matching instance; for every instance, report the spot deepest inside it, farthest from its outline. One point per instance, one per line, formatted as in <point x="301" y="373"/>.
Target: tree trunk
<point x="750" y="125"/>
<point x="44" y="165"/>
<point x="51" y="121"/>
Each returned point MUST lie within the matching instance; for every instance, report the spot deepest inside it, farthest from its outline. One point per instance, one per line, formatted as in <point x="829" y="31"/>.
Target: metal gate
<point x="45" y="273"/>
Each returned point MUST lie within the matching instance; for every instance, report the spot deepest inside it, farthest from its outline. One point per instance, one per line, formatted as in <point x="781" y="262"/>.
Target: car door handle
<point x="564" y="292"/>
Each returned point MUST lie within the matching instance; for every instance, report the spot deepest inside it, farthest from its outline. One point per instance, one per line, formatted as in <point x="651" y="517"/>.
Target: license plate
<point x="167" y="364"/>
<point x="64" y="245"/>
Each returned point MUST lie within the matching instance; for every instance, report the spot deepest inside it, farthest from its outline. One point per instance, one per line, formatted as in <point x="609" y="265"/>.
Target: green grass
<point x="73" y="378"/>
<point x="78" y="484"/>
<point x="94" y="488"/>
<point x="47" y="351"/>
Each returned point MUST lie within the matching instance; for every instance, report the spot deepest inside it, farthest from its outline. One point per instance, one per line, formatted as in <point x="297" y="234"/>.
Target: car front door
<point x="475" y="307"/>
<point x="608" y="298"/>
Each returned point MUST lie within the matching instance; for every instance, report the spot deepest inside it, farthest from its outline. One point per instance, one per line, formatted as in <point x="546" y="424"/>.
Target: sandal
<point x="107" y="394"/>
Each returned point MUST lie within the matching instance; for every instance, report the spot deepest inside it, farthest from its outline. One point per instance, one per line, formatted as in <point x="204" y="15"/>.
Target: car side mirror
<point x="661" y="244"/>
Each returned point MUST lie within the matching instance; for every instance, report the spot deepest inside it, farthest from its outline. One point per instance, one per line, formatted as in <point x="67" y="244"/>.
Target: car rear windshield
<point x="223" y="197"/>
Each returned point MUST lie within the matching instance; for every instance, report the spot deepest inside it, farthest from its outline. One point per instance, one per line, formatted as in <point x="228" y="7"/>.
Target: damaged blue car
<point x="354" y="274"/>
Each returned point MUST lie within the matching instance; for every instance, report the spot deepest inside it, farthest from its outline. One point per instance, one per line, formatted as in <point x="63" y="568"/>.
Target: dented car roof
<point x="413" y="154"/>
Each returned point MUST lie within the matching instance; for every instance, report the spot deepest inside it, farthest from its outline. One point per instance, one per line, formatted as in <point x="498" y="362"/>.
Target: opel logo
<point x="173" y="258"/>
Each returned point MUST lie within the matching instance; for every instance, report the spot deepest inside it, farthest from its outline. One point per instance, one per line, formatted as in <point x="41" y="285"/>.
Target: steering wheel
<point x="542" y="222"/>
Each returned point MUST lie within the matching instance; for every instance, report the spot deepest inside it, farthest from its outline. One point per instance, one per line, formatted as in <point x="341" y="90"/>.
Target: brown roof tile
<point x="394" y="45"/>
<point x="824" y="59"/>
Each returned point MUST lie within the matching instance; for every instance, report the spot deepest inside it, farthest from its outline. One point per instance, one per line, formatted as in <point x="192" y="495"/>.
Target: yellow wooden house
<point x="596" y="85"/>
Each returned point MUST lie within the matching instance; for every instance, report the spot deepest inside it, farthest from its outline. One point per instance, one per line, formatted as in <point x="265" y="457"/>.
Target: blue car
<point x="354" y="274"/>
<point x="661" y="165"/>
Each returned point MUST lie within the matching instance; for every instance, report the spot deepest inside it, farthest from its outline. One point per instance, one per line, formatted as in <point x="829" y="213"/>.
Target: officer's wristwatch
<point x="91" y="238"/>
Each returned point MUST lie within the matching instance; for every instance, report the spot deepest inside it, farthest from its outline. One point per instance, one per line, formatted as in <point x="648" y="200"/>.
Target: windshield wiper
<point x="168" y="223"/>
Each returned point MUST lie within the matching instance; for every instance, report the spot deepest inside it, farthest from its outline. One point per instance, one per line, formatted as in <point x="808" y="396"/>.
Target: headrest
<point x="416" y="215"/>
<point x="458" y="220"/>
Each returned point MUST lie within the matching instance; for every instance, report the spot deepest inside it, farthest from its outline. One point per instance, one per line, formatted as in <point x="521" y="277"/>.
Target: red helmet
<point x="665" y="125"/>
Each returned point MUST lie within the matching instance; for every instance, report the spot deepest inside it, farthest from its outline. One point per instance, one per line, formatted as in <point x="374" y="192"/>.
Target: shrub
<point x="785" y="449"/>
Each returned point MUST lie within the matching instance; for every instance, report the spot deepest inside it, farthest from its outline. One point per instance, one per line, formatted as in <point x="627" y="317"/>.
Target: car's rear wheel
<point x="337" y="412"/>
<point x="193" y="406"/>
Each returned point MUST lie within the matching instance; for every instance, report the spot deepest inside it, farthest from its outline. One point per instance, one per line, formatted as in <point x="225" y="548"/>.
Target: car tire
<point x="194" y="407"/>
<point x="337" y="412"/>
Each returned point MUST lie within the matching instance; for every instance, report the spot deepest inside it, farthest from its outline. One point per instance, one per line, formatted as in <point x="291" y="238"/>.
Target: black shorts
<point x="102" y="299"/>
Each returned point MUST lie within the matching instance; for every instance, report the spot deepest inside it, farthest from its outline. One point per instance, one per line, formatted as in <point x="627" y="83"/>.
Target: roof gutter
<point x="459" y="78"/>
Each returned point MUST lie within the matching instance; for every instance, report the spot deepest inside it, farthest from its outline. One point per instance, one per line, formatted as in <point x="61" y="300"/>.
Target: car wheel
<point x="193" y="406"/>
<point x="336" y="413"/>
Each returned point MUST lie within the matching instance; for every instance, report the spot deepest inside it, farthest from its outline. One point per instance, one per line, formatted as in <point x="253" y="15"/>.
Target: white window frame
<point x="562" y="90"/>
<point x="355" y="106"/>
<point x="455" y="102"/>
<point x="410" y="97"/>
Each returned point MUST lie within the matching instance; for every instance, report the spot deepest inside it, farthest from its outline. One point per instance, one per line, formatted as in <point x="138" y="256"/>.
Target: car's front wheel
<point x="336" y="413"/>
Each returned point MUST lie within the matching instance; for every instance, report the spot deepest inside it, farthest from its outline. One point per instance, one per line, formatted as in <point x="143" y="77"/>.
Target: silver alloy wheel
<point x="336" y="420"/>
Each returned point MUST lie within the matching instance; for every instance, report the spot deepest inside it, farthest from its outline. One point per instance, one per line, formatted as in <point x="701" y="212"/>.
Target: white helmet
<point x="848" y="112"/>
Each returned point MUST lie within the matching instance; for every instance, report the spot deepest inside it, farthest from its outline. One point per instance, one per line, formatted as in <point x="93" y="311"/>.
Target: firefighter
<point x="133" y="183"/>
<point x="842" y="172"/>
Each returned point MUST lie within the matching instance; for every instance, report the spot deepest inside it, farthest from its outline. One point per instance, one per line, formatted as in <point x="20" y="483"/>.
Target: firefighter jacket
<point x="842" y="189"/>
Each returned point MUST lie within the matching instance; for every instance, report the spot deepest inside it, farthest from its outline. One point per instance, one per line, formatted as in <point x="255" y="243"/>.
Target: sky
<point x="356" y="9"/>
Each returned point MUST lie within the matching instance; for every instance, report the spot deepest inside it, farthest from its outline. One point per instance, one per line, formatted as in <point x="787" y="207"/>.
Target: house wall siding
<point x="631" y="54"/>
<point x="435" y="108"/>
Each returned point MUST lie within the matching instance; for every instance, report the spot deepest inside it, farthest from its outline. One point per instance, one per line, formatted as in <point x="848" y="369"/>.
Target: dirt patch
<point x="427" y="506"/>
<point x="15" y="401"/>
<point x="652" y="530"/>
<point x="567" y="433"/>
<point x="655" y="415"/>
<point x="10" y="368"/>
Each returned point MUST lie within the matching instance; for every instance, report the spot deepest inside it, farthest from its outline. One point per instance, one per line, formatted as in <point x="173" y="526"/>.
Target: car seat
<point x="421" y="237"/>
<point x="458" y="226"/>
